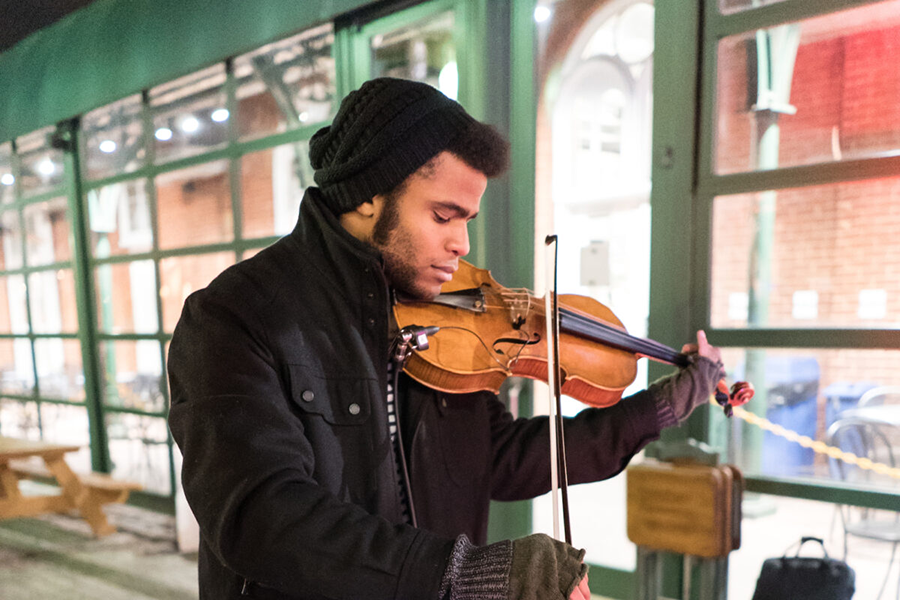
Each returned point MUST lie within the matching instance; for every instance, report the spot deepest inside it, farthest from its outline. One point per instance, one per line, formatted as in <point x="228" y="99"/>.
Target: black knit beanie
<point x="382" y="133"/>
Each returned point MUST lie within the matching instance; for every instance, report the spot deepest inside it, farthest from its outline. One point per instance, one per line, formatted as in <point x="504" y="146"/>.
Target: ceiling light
<point x="7" y="179"/>
<point x="108" y="146"/>
<point x="219" y="115"/>
<point x="46" y="167"/>
<point x="164" y="134"/>
<point x="541" y="13"/>
<point x="190" y="125"/>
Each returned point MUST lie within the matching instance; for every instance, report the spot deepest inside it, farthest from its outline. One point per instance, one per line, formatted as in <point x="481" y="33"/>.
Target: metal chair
<point x="866" y="439"/>
<point x="878" y="396"/>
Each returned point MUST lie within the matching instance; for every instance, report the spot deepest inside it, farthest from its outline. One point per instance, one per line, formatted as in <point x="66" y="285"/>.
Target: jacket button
<point x="370" y="295"/>
<point x="307" y="395"/>
<point x="353" y="408"/>
<point x="371" y="322"/>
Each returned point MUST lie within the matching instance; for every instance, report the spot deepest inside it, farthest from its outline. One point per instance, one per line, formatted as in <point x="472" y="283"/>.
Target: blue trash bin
<point x="792" y="386"/>
<point x="841" y="396"/>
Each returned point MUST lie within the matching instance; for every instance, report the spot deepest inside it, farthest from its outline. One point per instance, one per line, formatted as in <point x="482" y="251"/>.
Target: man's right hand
<point x="543" y="568"/>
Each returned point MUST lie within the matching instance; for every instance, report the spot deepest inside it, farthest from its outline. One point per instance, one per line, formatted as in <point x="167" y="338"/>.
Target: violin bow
<point x="559" y="479"/>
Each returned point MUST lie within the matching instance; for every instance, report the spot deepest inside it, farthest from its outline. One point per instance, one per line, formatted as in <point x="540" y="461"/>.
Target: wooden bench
<point x="90" y="491"/>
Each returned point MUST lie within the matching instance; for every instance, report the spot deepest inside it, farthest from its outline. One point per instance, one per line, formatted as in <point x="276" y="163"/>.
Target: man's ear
<point x="360" y="221"/>
<point x="372" y="208"/>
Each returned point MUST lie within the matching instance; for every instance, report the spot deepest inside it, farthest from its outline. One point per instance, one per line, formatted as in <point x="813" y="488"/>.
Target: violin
<point x="489" y="332"/>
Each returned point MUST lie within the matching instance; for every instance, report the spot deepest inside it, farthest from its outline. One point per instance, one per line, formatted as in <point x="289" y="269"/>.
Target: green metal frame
<point x="710" y="185"/>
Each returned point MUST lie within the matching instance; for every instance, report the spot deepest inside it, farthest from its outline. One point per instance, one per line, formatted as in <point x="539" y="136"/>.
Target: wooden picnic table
<point x="84" y="493"/>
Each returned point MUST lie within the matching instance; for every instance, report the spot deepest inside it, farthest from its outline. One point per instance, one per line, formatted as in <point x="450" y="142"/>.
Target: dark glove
<point x="535" y="567"/>
<point x="544" y="568"/>
<point x="677" y="396"/>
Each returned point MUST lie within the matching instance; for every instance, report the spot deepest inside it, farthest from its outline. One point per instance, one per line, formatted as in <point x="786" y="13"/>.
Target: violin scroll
<point x="740" y="393"/>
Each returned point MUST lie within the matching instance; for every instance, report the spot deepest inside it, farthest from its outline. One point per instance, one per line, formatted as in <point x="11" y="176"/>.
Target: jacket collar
<point x="330" y="247"/>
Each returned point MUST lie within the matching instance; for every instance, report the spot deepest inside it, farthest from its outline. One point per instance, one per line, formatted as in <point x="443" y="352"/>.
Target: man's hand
<point x="582" y="592"/>
<point x="543" y="567"/>
<point x="703" y="348"/>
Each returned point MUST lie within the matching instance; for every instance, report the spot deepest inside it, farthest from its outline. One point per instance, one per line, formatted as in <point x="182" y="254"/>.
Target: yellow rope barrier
<point x="817" y="446"/>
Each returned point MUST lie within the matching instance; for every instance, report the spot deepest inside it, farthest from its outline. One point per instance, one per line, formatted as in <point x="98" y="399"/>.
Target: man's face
<point x="423" y="232"/>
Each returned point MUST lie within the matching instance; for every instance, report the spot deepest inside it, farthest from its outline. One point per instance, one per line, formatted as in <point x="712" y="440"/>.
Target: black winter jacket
<point x="278" y="383"/>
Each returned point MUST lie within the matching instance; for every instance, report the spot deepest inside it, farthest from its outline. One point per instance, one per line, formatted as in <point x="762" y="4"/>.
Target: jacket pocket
<point x="338" y="400"/>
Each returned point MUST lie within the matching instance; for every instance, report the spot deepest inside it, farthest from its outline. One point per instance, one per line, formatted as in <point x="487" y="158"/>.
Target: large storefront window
<point x="798" y="192"/>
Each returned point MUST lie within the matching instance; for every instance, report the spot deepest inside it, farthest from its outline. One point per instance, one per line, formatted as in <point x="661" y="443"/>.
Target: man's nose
<point x="458" y="243"/>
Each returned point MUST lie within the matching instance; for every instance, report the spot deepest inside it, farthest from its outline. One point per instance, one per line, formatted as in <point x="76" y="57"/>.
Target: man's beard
<point x="396" y="247"/>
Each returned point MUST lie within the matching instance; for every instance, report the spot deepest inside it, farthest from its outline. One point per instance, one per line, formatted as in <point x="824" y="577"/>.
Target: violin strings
<point x="590" y="328"/>
<point x="481" y="341"/>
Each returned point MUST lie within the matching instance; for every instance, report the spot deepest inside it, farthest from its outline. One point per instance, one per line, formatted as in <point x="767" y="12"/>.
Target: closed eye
<point x="439" y="219"/>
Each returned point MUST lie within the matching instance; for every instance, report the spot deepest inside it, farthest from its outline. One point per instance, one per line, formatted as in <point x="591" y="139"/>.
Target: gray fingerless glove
<point x="677" y="396"/>
<point x="544" y="568"/>
<point x="535" y="567"/>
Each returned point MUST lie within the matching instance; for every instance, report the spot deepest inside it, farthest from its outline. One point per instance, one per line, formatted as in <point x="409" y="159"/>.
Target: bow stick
<point x="558" y="475"/>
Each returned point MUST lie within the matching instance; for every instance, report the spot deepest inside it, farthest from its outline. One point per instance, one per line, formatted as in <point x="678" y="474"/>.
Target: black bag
<point x="805" y="578"/>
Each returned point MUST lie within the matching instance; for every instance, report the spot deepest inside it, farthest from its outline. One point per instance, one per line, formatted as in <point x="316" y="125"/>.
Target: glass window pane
<point x="817" y="256"/>
<point x="19" y="419"/>
<point x="132" y="374"/>
<point x="11" y="235"/>
<point x="52" y="298"/>
<point x="778" y="523"/>
<point x="187" y="117"/>
<point x="139" y="450"/>
<point x="183" y="275"/>
<point x="114" y="138"/>
<point x="424" y="51"/>
<point x="194" y="206"/>
<point x="63" y="424"/>
<point x="120" y="219"/>
<point x="16" y="369"/>
<point x="59" y="369"/>
<point x="272" y="185"/>
<point x="286" y="84"/>
<point x="41" y="166"/>
<point x="47" y="232"/>
<point x="826" y="92"/>
<point x="126" y="297"/>
<point x="14" y="317"/>
<point x="7" y="178"/>
<point x="805" y="391"/>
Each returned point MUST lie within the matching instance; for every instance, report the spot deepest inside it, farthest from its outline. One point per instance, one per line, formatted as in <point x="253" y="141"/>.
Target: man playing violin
<point x="315" y="468"/>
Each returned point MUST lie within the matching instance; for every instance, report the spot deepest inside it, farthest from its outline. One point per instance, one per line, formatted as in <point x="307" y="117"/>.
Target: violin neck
<point x="585" y="327"/>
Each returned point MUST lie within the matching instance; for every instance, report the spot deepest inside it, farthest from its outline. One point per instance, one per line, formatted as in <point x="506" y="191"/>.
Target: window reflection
<point x="132" y="374"/>
<point x="194" y="206"/>
<point x="19" y="419"/>
<point x="120" y="219"/>
<point x="424" y="51"/>
<point x="139" y="450"/>
<point x="41" y="166"/>
<point x="126" y="297"/>
<point x="272" y="185"/>
<point x="64" y="424"/>
<point x="47" y="232"/>
<point x="59" y="368"/>
<point x="827" y="91"/>
<point x="816" y="256"/>
<point x="52" y="299"/>
<point x="183" y="275"/>
<point x="11" y="245"/>
<point x="16" y="368"/>
<point x="14" y="318"/>
<point x="113" y="138"/>
<point x="286" y="84"/>
<point x="7" y="177"/>
<point x="806" y="391"/>
<point x="187" y="114"/>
